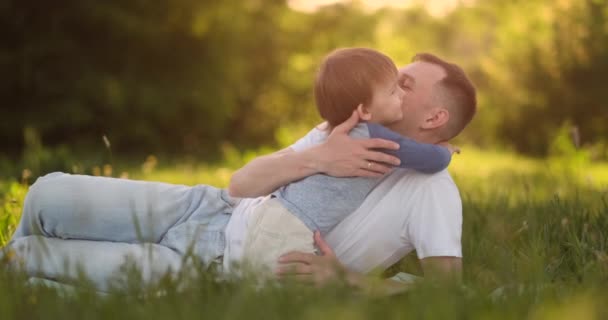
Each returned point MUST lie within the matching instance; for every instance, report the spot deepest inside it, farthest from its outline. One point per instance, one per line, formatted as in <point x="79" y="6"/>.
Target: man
<point x="95" y="222"/>
<point x="407" y="210"/>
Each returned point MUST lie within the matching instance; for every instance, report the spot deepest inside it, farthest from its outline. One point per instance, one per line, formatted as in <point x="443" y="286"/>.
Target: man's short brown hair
<point x="346" y="78"/>
<point x="455" y="92"/>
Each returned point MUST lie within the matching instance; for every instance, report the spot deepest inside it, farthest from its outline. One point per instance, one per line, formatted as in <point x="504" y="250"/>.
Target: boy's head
<point x="349" y="77"/>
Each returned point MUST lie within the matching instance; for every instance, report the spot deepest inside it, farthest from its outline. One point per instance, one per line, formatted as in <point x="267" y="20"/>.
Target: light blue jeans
<point x="74" y="224"/>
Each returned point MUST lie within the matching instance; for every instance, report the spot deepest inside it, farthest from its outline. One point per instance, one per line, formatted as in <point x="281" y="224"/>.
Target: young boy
<point x="348" y="79"/>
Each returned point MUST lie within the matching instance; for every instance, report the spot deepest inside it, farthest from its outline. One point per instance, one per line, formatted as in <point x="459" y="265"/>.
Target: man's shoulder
<point x="405" y="187"/>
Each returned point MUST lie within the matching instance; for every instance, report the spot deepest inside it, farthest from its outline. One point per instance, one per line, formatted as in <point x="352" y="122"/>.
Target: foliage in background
<point x="546" y="69"/>
<point x="173" y="76"/>
<point x="185" y="77"/>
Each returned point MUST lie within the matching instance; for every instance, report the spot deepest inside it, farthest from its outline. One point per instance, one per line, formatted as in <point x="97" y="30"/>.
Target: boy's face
<point x="385" y="107"/>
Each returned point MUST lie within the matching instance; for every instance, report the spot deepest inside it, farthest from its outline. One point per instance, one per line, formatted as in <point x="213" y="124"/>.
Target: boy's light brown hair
<point x="346" y="78"/>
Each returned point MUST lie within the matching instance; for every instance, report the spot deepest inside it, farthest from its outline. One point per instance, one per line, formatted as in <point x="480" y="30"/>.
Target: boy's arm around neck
<point x="338" y="156"/>
<point x="422" y="157"/>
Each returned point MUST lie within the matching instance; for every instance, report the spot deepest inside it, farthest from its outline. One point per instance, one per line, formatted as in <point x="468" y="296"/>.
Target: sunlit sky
<point x="435" y="7"/>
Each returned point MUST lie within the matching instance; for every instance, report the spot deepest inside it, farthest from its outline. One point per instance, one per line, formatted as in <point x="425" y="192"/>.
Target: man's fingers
<point x="376" y="167"/>
<point x="367" y="174"/>
<point x="296" y="256"/>
<point x="294" y="268"/>
<point x="347" y="125"/>
<point x="380" y="157"/>
<point x="453" y="149"/>
<point x="377" y="143"/>
<point x="322" y="245"/>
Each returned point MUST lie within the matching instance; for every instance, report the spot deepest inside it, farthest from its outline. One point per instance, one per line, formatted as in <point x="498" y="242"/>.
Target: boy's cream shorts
<point x="273" y="231"/>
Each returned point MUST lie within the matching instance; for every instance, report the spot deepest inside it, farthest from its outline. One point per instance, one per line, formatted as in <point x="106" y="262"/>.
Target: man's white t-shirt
<point x="406" y="211"/>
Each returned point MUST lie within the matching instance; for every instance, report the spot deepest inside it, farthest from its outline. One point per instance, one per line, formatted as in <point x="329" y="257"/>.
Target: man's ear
<point x="364" y="113"/>
<point x="436" y="118"/>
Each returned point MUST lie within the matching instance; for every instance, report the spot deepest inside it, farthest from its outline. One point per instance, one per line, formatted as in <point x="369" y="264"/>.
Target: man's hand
<point x="451" y="148"/>
<point x="310" y="268"/>
<point x="339" y="156"/>
<point x="323" y="269"/>
<point x="343" y="156"/>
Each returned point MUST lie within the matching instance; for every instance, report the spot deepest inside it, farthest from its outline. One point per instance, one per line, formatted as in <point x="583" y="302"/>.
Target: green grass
<point x="536" y="229"/>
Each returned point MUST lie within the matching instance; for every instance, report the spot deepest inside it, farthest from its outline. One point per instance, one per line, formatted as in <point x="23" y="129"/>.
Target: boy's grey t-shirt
<point x="321" y="201"/>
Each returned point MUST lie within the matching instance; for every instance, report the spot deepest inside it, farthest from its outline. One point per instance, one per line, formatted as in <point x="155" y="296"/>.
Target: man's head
<point x="349" y="77"/>
<point x="439" y="101"/>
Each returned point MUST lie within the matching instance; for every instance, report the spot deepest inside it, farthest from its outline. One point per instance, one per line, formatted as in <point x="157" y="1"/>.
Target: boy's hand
<point x="451" y="148"/>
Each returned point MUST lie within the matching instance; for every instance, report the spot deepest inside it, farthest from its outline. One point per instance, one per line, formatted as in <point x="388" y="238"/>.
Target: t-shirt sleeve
<point x="422" y="157"/>
<point x="435" y="227"/>
<point x="312" y="138"/>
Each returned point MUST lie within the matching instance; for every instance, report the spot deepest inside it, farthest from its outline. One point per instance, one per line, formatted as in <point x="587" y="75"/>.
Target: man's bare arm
<point x="339" y="156"/>
<point x="326" y="268"/>
<point x="264" y="174"/>
<point x="435" y="268"/>
<point x="442" y="268"/>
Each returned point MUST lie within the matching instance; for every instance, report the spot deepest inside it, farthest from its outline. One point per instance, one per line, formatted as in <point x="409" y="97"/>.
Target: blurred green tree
<point x="185" y="76"/>
<point x="547" y="68"/>
<point x="173" y="75"/>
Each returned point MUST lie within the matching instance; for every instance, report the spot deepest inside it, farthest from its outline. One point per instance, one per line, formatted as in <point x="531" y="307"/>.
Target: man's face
<point x="417" y="80"/>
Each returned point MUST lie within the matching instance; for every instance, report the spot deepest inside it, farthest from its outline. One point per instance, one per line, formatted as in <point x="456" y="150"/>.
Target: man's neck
<point x="422" y="136"/>
<point x="426" y="137"/>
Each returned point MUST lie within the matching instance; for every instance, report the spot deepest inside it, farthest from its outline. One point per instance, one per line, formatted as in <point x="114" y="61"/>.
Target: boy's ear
<point x="363" y="112"/>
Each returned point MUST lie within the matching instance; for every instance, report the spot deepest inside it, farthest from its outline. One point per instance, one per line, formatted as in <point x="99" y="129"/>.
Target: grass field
<point x="535" y="242"/>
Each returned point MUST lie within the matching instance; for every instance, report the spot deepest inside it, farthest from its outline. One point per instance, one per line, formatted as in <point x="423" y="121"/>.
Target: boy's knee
<point x="44" y="185"/>
<point x="37" y="198"/>
<point x="48" y="177"/>
<point x="39" y="193"/>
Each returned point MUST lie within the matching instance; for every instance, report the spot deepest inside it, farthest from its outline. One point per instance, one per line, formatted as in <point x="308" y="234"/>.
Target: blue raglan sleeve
<point x="423" y="157"/>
